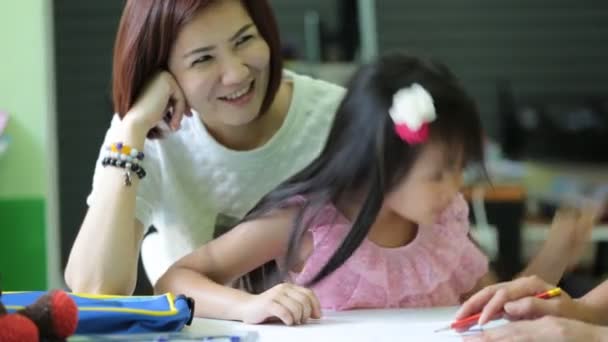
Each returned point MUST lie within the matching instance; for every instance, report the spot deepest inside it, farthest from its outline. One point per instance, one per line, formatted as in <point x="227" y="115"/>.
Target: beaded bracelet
<point x="125" y="157"/>
<point x="129" y="167"/>
<point x="119" y="150"/>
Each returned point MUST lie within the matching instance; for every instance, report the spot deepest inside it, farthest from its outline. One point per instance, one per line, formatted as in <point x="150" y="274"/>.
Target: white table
<point x="361" y="325"/>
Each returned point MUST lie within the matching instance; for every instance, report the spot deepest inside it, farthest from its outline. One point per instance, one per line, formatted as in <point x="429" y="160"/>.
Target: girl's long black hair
<point x="364" y="155"/>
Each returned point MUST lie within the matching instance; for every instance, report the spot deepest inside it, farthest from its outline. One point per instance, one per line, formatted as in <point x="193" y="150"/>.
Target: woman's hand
<point x="547" y="329"/>
<point x="289" y="303"/>
<point x="571" y="230"/>
<point x="161" y="99"/>
<point x="516" y="299"/>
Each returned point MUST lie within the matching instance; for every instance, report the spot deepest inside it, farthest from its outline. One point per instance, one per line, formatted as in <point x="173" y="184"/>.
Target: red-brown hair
<point x="147" y="31"/>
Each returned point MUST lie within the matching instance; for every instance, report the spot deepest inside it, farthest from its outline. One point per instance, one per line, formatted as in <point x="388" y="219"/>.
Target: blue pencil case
<point x="103" y="314"/>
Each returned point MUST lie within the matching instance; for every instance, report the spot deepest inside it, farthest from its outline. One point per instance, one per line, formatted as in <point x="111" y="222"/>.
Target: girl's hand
<point x="161" y="99"/>
<point x="289" y="303"/>
<point x="548" y="329"/>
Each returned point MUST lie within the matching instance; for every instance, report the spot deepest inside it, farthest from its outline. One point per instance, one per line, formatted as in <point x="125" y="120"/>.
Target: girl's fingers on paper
<point x="281" y="312"/>
<point x="304" y="301"/>
<point x="295" y="307"/>
<point x="313" y="300"/>
<point x="519" y="288"/>
<point x="299" y="306"/>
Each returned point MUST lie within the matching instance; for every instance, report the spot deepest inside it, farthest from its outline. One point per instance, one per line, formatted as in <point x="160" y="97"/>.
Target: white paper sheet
<point x="363" y="325"/>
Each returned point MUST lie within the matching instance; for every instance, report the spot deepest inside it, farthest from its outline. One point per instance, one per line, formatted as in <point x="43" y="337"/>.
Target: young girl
<point x="376" y="221"/>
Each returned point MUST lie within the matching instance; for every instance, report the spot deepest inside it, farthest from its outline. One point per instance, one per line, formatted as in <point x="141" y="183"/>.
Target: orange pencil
<point x="467" y="322"/>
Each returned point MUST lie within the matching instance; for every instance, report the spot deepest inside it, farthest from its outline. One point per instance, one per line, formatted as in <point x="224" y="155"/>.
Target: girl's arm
<point x="203" y="273"/>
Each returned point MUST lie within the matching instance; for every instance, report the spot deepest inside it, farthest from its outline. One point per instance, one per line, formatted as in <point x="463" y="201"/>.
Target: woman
<point x="198" y="86"/>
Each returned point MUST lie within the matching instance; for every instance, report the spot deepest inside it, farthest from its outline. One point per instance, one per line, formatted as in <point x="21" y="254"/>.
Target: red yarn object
<point x="55" y="314"/>
<point x="64" y="314"/>
<point x="17" y="328"/>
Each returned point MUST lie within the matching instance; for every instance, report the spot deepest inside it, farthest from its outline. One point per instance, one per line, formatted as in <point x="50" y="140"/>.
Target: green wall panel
<point x="22" y="244"/>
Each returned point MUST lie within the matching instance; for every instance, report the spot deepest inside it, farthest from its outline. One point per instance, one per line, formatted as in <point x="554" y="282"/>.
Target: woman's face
<point x="222" y="64"/>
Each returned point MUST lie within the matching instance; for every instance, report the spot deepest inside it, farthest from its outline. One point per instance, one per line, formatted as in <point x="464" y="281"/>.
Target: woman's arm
<point x="203" y="273"/>
<point x="569" y="234"/>
<point x="549" y="263"/>
<point x="104" y="256"/>
<point x="597" y="303"/>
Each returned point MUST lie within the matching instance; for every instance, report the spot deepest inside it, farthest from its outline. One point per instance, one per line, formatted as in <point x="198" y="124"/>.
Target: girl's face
<point x="222" y="64"/>
<point x="432" y="183"/>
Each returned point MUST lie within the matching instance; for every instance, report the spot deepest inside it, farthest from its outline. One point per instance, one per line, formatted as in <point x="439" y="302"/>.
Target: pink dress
<point x="435" y="269"/>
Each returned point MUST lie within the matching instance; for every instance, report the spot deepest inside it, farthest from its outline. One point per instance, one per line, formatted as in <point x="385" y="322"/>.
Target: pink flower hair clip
<point x="412" y="112"/>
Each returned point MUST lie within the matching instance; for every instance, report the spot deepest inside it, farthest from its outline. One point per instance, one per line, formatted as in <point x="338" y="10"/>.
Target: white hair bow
<point x="412" y="110"/>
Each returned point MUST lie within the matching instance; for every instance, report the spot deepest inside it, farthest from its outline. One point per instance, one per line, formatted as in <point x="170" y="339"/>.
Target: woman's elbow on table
<point x="79" y="283"/>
